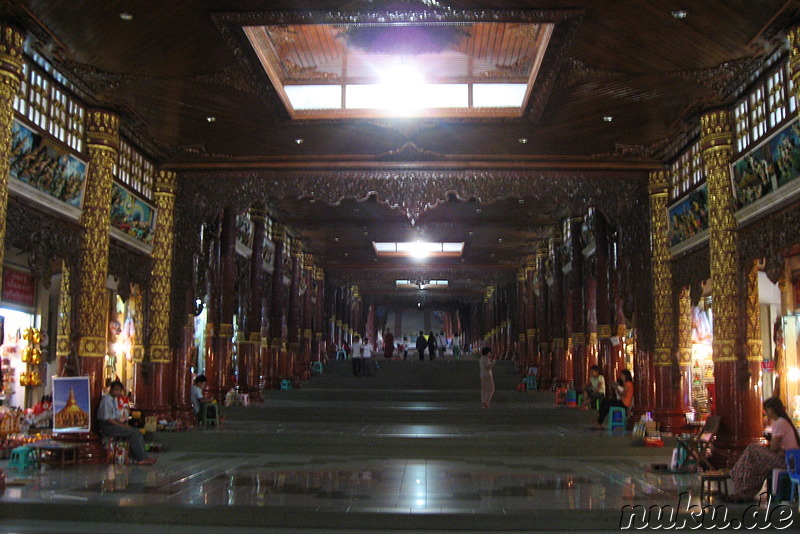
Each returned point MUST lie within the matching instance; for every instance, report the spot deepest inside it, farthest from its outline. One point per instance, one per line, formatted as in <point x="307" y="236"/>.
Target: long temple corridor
<point x="407" y="449"/>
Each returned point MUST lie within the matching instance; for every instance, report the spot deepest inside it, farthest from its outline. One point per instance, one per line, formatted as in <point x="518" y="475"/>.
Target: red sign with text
<point x="18" y="287"/>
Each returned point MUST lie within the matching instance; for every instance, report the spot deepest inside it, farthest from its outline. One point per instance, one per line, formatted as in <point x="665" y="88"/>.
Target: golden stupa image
<point x="71" y="415"/>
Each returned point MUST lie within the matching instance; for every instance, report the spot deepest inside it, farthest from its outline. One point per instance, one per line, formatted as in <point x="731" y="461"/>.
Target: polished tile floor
<point x="352" y="457"/>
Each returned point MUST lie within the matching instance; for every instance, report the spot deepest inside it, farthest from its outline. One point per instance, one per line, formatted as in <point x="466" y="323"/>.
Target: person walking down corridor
<point x="487" y="379"/>
<point x="357" y="349"/>
<point x="388" y="344"/>
<point x="432" y="345"/>
<point x="421" y="344"/>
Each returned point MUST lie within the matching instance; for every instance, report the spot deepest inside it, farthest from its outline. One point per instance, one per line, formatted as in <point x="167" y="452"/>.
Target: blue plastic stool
<point x="316" y="368"/>
<point x="572" y="398"/>
<point x="22" y="458"/>
<point x="530" y="383"/>
<point x="286" y="384"/>
<point x="617" y="419"/>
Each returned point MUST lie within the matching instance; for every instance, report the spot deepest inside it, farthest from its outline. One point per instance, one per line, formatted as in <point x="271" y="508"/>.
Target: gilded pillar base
<point x="738" y="402"/>
<point x="158" y="404"/>
<point x="182" y="412"/>
<point x="223" y="347"/>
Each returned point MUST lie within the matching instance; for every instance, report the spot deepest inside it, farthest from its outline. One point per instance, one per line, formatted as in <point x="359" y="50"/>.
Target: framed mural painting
<point x="770" y="165"/>
<point x="72" y="411"/>
<point x="45" y="165"/>
<point x="689" y="216"/>
<point x="132" y="215"/>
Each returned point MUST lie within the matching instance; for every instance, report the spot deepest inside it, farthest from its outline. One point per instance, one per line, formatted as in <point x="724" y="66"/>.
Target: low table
<point x="56" y="453"/>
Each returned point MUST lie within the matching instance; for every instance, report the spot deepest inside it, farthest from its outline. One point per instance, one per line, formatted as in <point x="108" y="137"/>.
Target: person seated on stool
<point x="113" y="423"/>
<point x="757" y="461"/>
<point x="199" y="399"/>
<point x="595" y="389"/>
<point x="624" y="391"/>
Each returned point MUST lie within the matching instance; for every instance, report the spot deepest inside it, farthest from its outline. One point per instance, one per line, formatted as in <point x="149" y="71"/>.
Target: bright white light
<point x="401" y="89"/>
<point x="308" y="97"/>
<point x="794" y="373"/>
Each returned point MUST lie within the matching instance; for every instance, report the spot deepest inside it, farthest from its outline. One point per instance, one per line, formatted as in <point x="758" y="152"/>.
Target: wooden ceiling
<point x="177" y="63"/>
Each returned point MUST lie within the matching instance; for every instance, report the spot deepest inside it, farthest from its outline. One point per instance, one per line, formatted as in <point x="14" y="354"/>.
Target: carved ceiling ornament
<point x="415" y="191"/>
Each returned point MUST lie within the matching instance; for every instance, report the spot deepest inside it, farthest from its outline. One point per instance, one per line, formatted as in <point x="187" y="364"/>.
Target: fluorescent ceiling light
<point x="418" y="249"/>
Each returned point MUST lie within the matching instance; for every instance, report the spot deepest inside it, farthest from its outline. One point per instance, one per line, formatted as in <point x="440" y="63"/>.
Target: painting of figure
<point x="45" y="165"/>
<point x="132" y="215"/>
<point x="771" y="165"/>
<point x="689" y="216"/>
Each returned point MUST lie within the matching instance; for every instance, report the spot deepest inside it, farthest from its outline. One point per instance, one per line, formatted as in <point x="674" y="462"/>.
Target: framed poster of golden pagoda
<point x="71" y="405"/>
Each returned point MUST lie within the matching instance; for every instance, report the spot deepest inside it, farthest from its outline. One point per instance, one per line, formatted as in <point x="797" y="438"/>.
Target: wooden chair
<point x="698" y="445"/>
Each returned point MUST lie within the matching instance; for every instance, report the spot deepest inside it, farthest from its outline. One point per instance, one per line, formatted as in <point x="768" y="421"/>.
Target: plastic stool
<point x="571" y="398"/>
<point x="530" y="383"/>
<point x="22" y="458"/>
<point x="286" y="384"/>
<point x="617" y="419"/>
<point x="580" y="399"/>
<point x="561" y="396"/>
<point x="316" y="368"/>
<point x="210" y="414"/>
<point x="708" y="478"/>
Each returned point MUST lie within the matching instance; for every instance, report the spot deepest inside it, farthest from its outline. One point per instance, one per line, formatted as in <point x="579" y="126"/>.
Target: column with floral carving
<point x="668" y="410"/>
<point x="293" y="327"/>
<point x="319" y="348"/>
<point x="64" y="319"/>
<point x="307" y="334"/>
<point x="557" y="319"/>
<point x="577" y="296"/>
<point x="685" y="344"/>
<point x="522" y="303"/>
<point x="604" y="317"/>
<point x="11" y="61"/>
<point x="249" y="347"/>
<point x="531" y="327"/>
<point x="226" y="283"/>
<point x="542" y="316"/>
<point x="160" y="295"/>
<point x="737" y="392"/>
<point x="102" y="145"/>
<point x="277" y="314"/>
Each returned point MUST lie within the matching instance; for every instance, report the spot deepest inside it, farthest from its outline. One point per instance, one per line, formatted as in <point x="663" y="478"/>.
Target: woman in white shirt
<point x="366" y="353"/>
<point x="487" y="379"/>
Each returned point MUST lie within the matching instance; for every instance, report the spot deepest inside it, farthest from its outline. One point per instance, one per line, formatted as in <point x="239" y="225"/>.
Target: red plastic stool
<point x="561" y="396"/>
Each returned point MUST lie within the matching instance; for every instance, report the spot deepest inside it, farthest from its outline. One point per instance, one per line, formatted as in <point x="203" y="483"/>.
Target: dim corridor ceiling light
<point x="679" y="14"/>
<point x="608" y="118"/>
<point x="211" y="119"/>
<point x="126" y="17"/>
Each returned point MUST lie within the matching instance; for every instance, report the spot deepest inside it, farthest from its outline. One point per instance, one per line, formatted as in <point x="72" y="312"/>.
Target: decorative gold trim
<point x="604" y="331"/>
<point x="558" y="343"/>
<point x="724" y="350"/>
<point x="160" y="353"/>
<point x="578" y="338"/>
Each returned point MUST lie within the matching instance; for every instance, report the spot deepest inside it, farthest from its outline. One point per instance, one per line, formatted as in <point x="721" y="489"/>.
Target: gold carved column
<point x="668" y="409"/>
<point x="737" y="391"/>
<point x="11" y="42"/>
<point x="64" y="319"/>
<point x="685" y="343"/>
<point x="160" y="293"/>
<point x="102" y="145"/>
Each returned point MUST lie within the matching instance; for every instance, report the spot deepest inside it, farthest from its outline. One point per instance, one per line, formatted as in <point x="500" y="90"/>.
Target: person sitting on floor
<point x="624" y="391"/>
<point x="596" y="387"/>
<point x="758" y="461"/>
<point x="113" y="423"/>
